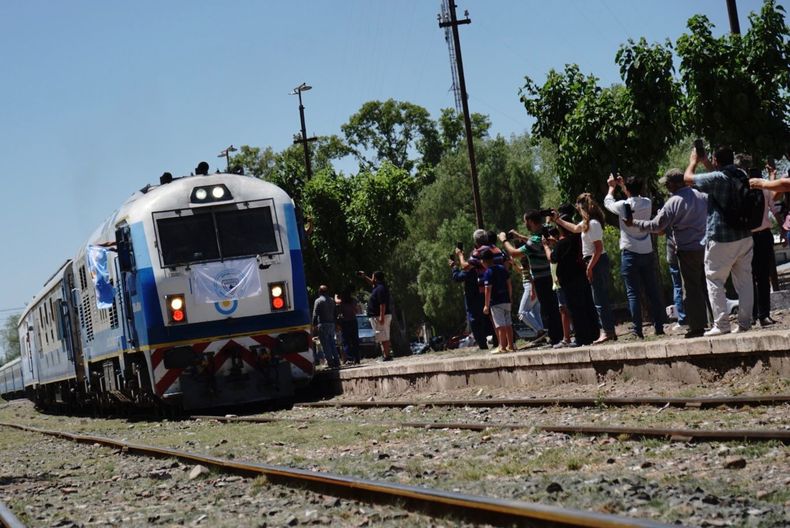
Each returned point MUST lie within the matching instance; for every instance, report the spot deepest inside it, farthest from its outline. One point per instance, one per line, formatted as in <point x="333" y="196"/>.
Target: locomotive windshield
<point x="215" y="235"/>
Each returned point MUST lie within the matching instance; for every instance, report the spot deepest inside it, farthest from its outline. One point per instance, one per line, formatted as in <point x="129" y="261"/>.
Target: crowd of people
<point x="338" y="314"/>
<point x="717" y="225"/>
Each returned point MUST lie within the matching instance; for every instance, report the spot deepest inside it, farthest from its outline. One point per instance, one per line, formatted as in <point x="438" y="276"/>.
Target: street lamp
<point x="303" y="139"/>
<point x="226" y="154"/>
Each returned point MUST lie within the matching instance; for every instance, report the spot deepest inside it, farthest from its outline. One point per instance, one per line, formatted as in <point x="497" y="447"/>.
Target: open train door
<point x="69" y="310"/>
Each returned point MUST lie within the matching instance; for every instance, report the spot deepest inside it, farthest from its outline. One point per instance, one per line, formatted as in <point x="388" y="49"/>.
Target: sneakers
<point x="715" y="331"/>
<point x="739" y="329"/>
<point x="677" y="327"/>
<point x="562" y="344"/>
<point x="767" y="321"/>
<point x="383" y="359"/>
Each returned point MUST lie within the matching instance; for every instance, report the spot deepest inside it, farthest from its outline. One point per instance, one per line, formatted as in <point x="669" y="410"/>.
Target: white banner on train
<point x="223" y="281"/>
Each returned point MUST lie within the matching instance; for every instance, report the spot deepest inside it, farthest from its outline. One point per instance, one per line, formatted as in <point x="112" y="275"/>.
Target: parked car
<point x="367" y="337"/>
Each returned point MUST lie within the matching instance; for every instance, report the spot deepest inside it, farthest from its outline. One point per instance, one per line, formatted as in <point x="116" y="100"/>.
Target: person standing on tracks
<point x="324" y="320"/>
<point x="380" y="311"/>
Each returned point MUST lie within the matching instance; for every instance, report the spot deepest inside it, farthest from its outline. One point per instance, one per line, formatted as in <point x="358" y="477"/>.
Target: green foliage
<point x="736" y="87"/>
<point x="393" y="131"/>
<point x="9" y="338"/>
<point x="592" y="127"/>
<point x="286" y="169"/>
<point x="451" y="129"/>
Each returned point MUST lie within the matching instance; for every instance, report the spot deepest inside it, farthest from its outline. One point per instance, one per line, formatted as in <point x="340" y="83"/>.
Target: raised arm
<point x="573" y="228"/>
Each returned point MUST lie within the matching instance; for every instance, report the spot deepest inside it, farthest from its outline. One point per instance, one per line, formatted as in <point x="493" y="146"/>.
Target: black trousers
<point x="695" y="290"/>
<point x="481" y="327"/>
<point x="578" y="295"/>
<point x="761" y="272"/>
<point x="549" y="307"/>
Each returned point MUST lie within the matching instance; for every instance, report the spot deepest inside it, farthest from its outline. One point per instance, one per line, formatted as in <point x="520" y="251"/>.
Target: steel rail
<point x="688" y="435"/>
<point x="434" y="502"/>
<point x="703" y="402"/>
<point x="8" y="519"/>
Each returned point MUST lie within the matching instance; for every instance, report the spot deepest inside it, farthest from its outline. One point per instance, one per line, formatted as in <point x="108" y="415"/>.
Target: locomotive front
<point x="213" y="278"/>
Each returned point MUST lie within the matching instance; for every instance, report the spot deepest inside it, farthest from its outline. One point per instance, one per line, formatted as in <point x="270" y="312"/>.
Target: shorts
<point x="500" y="313"/>
<point x="561" y="300"/>
<point x="382" y="331"/>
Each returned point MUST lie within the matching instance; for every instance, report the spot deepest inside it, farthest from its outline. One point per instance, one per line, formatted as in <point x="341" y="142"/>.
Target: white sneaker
<point x="677" y="327"/>
<point x="739" y="329"/>
<point x="715" y="331"/>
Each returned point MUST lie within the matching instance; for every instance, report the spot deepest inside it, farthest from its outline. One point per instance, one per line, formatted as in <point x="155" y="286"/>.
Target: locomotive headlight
<point x="201" y="194"/>
<point x="176" y="308"/>
<point x="277" y="298"/>
<point x="218" y="192"/>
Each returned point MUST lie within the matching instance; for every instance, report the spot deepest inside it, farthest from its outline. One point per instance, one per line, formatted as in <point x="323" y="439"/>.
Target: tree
<point x="9" y="338"/>
<point x="631" y="125"/>
<point x="451" y="129"/>
<point x="736" y="87"/>
<point x="396" y="131"/>
<point x="286" y="169"/>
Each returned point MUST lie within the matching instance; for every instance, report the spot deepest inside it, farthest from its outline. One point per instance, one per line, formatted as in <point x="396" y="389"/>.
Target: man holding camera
<point x="532" y="248"/>
<point x="684" y="213"/>
<point x="637" y="261"/>
<point x="729" y="247"/>
<point x="479" y="323"/>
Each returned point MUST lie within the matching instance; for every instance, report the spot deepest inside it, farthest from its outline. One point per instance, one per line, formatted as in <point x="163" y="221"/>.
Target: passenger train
<point x="191" y="295"/>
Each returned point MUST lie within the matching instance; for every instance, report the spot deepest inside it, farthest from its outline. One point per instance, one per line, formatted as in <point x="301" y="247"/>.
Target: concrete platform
<point x="667" y="359"/>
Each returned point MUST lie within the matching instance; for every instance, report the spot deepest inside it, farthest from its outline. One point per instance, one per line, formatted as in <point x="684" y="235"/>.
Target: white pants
<point x="721" y="259"/>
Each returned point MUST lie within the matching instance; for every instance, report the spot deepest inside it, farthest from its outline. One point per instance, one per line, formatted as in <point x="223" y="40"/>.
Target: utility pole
<point x="303" y="139"/>
<point x="453" y="23"/>
<point x="732" y="12"/>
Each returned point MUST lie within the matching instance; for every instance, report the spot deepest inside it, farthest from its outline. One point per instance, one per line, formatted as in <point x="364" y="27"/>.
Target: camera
<point x="459" y="245"/>
<point x="360" y="273"/>
<point x="546" y="212"/>
<point x="545" y="232"/>
<point x="699" y="146"/>
<point x="510" y="235"/>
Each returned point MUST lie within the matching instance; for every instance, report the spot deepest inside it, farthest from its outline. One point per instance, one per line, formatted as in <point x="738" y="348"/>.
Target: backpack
<point x="745" y="207"/>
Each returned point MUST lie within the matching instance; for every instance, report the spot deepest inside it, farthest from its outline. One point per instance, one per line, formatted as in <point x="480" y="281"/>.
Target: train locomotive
<point x="191" y="295"/>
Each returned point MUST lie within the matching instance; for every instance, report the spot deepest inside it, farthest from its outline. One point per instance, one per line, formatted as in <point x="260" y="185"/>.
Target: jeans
<point x="529" y="309"/>
<point x="722" y="259"/>
<point x="677" y="292"/>
<point x="639" y="269"/>
<point x="350" y="332"/>
<point x="549" y="309"/>
<point x="600" y="294"/>
<point x="326" y="333"/>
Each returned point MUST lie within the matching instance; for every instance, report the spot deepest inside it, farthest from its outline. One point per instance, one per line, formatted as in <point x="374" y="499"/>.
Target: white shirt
<point x="632" y="238"/>
<point x="590" y="236"/>
<point x="767" y="212"/>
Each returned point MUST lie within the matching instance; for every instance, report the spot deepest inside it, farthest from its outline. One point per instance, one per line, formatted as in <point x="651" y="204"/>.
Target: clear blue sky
<point x="99" y="98"/>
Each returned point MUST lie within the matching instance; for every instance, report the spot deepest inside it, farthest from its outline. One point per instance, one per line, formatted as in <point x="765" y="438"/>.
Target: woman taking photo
<point x="591" y="230"/>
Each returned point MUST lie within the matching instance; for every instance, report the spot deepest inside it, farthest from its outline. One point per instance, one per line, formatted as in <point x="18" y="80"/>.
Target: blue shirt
<point x="719" y="189"/>
<point x="473" y="299"/>
<point x="380" y="295"/>
<point x="496" y="277"/>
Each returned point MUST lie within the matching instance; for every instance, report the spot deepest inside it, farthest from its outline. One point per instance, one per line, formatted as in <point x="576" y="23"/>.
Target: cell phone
<point x="699" y="146"/>
<point x="361" y="273"/>
<point x="613" y="169"/>
<point x="459" y="245"/>
<point x="771" y="163"/>
<point x="629" y="213"/>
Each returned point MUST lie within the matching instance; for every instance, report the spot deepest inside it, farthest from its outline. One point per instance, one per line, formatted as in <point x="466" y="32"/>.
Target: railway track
<point x="684" y="435"/>
<point x="431" y="501"/>
<point x="694" y="403"/>
<point x="8" y="519"/>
